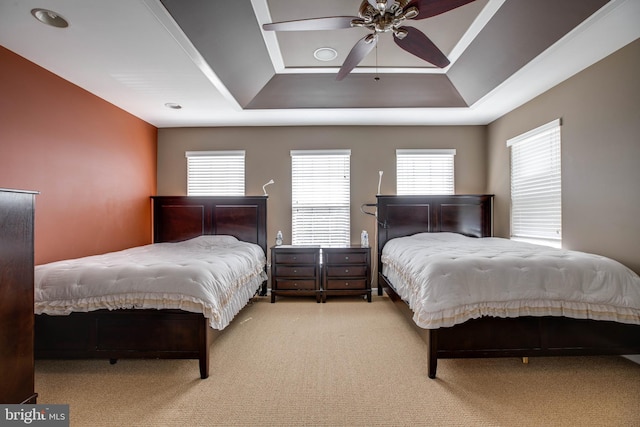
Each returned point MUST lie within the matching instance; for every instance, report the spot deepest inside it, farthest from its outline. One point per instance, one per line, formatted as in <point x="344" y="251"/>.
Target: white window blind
<point x="215" y="173"/>
<point x="536" y="196"/>
<point x="320" y="196"/>
<point x="425" y="171"/>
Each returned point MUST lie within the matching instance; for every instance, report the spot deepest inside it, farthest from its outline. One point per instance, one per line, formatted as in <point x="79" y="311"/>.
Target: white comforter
<point x="448" y="278"/>
<point x="212" y="275"/>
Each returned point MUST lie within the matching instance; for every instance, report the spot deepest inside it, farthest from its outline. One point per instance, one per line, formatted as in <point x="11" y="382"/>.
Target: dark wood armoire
<point x="16" y="296"/>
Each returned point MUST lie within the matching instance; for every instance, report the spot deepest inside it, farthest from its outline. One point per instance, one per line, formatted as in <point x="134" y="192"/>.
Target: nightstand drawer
<point x="346" y="258"/>
<point x="295" y="285"/>
<point x="295" y="270"/>
<point x="294" y="258"/>
<point x="346" y="270"/>
<point x="343" y="285"/>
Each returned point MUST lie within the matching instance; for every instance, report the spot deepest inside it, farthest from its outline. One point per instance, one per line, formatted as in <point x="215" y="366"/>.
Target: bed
<point x="454" y="326"/>
<point x="116" y="325"/>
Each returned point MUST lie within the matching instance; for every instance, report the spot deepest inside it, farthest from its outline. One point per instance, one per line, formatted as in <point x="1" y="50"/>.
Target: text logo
<point x="34" y="415"/>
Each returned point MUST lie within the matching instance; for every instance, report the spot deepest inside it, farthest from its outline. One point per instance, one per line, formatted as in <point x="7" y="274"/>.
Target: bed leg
<point x="263" y="289"/>
<point x="113" y="361"/>
<point x="525" y="360"/>
<point x="205" y="349"/>
<point x="432" y="353"/>
<point x="204" y="367"/>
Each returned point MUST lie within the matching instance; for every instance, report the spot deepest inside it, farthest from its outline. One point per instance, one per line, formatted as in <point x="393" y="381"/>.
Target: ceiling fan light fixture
<point x="400" y="33"/>
<point x="50" y="18"/>
<point x="325" y="54"/>
<point x="410" y="13"/>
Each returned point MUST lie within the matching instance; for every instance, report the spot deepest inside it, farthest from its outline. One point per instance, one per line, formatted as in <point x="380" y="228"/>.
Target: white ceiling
<point x="133" y="54"/>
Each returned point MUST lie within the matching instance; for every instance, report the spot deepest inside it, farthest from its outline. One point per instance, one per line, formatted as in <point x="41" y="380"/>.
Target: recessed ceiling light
<point x="50" y="18"/>
<point x="173" y="105"/>
<point x="325" y="54"/>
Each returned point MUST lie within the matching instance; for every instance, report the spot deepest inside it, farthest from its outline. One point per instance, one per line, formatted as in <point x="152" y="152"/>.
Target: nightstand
<point x="346" y="271"/>
<point x="295" y="270"/>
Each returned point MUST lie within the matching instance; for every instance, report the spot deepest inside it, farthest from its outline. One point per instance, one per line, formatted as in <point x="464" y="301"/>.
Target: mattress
<point x="212" y="275"/>
<point x="448" y="278"/>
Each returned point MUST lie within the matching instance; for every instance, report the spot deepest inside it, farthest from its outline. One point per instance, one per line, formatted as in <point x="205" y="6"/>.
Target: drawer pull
<point x="295" y="257"/>
<point x="295" y="271"/>
<point x="346" y="283"/>
<point x="346" y="258"/>
<point x="346" y="270"/>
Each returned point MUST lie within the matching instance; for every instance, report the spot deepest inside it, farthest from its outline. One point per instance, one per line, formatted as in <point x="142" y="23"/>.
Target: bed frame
<point x="157" y="334"/>
<point x="471" y="215"/>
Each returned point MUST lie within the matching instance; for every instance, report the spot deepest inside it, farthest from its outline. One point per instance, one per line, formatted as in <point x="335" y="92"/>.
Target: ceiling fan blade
<point x="357" y="54"/>
<point x="429" y="8"/>
<point x="418" y="44"/>
<point x="313" y="24"/>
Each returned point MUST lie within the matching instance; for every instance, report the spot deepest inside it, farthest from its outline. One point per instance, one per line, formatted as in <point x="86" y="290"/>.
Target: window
<point x="536" y="197"/>
<point x="320" y="197"/>
<point x="425" y="172"/>
<point x="215" y="173"/>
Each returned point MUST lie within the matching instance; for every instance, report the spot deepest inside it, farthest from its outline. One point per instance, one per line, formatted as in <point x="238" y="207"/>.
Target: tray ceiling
<point x="214" y="59"/>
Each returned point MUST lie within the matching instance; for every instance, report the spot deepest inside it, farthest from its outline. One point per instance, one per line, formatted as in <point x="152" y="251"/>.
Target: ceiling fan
<point x="381" y="16"/>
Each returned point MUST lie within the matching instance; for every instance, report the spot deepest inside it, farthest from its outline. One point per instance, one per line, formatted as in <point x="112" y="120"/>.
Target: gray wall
<point x="372" y="150"/>
<point x="600" y="112"/>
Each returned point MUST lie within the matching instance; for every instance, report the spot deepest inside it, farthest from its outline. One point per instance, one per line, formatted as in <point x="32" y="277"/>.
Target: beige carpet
<point x="343" y="363"/>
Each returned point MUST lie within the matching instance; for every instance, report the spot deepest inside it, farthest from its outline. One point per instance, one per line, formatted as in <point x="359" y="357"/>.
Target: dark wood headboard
<point x="399" y="216"/>
<point x="177" y="218"/>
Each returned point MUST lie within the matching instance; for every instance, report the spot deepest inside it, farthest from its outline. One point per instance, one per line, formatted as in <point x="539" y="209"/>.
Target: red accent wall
<point x="93" y="163"/>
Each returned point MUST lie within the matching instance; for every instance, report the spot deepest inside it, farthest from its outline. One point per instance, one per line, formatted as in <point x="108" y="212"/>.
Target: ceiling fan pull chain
<point x="376" y="78"/>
